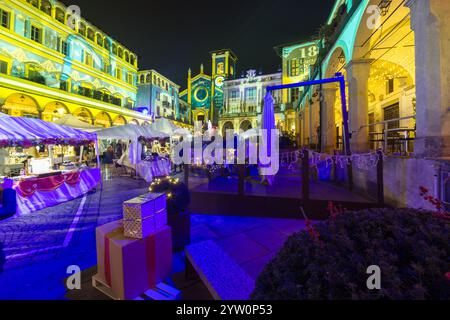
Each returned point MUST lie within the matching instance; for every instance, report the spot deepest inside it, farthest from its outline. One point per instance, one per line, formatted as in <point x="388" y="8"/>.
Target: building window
<point x="390" y="86"/>
<point x="60" y="15"/>
<point x="234" y="95"/>
<point x="64" y="47"/>
<point x="130" y="78"/>
<point x="117" y="101"/>
<point x="294" y="68"/>
<point x="99" y="40"/>
<point x="3" y="67"/>
<point x="88" y="59"/>
<point x="82" y="29"/>
<point x="36" y="34"/>
<point x="90" y="34"/>
<point x="106" y="68"/>
<point x="250" y="94"/>
<point x="4" y="18"/>
<point x="391" y="113"/>
<point x="46" y="7"/>
<point x="119" y="73"/>
<point x="295" y="92"/>
<point x="64" y="85"/>
<point x="34" y="3"/>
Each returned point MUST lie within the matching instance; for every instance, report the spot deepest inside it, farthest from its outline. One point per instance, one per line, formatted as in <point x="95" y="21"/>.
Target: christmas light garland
<point x="363" y="161"/>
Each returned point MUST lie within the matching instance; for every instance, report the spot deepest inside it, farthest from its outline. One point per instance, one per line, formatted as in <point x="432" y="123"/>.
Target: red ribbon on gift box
<point x="150" y="252"/>
<point x="107" y="262"/>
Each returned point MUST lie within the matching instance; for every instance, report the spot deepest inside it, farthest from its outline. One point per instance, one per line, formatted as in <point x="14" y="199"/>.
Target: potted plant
<point x="178" y="216"/>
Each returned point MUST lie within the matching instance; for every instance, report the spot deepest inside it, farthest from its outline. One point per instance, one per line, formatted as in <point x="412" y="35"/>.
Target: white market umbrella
<point x="268" y="124"/>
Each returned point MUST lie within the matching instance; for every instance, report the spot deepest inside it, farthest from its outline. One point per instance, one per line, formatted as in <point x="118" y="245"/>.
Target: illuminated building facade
<point x="244" y="101"/>
<point x="204" y="93"/>
<point x="297" y="61"/>
<point x="395" y="56"/>
<point x="52" y="64"/>
<point x="157" y="95"/>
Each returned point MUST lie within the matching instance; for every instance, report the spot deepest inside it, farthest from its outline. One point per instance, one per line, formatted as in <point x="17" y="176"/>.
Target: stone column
<point x="306" y="125"/>
<point x="431" y="26"/>
<point x="328" y="129"/>
<point x="314" y="122"/>
<point x="358" y="75"/>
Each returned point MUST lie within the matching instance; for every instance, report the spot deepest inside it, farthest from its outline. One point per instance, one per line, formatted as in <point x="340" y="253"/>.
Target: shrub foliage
<point x="178" y="196"/>
<point x="411" y="247"/>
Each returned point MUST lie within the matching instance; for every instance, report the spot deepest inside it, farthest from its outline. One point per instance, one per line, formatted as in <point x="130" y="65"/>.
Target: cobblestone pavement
<point x="40" y="246"/>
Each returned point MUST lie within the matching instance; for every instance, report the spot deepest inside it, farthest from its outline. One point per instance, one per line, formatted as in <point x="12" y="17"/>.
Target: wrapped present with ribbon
<point x="140" y="229"/>
<point x="144" y="215"/>
<point x="143" y="206"/>
<point x="130" y="267"/>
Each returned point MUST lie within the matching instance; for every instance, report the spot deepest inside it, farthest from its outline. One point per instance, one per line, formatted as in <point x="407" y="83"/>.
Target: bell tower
<point x="223" y="63"/>
<point x="223" y="68"/>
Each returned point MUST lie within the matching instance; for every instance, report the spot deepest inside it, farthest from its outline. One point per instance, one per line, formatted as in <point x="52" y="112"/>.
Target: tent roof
<point x="129" y="131"/>
<point x="74" y="122"/>
<point x="166" y="126"/>
<point x="19" y="129"/>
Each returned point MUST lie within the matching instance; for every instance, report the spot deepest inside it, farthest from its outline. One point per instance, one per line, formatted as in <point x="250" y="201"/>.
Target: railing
<point x="387" y="133"/>
<point x="82" y="91"/>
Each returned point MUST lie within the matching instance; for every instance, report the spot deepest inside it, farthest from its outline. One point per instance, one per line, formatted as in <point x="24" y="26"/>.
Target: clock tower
<point x="223" y="68"/>
<point x="204" y="93"/>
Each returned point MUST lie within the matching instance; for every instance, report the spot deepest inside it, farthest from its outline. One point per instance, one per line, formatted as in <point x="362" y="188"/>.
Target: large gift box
<point x="144" y="215"/>
<point x="132" y="266"/>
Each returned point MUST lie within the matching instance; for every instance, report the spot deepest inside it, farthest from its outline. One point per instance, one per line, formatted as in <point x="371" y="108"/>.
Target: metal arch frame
<point x="339" y="78"/>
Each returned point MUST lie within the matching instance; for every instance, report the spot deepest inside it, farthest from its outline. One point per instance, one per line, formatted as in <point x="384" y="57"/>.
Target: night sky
<point x="170" y="37"/>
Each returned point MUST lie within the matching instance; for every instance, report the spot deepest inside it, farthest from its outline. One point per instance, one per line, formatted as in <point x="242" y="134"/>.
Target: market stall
<point x="168" y="127"/>
<point x="73" y="122"/>
<point x="47" y="163"/>
<point x="146" y="150"/>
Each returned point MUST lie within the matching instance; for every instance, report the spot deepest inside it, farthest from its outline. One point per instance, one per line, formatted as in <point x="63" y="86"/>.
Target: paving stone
<point x="242" y="248"/>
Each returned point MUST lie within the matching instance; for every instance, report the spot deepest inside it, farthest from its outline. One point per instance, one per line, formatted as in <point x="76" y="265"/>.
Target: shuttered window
<point x="3" y="67"/>
<point x="4" y="18"/>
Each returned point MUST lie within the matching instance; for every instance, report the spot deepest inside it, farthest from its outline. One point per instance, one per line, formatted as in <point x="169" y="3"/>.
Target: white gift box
<point x="144" y="206"/>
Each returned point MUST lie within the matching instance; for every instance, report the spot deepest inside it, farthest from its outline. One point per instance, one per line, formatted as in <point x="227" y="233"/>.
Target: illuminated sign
<point x="297" y="59"/>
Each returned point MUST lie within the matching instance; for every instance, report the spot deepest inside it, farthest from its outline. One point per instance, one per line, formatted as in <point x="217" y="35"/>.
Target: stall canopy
<point x="130" y="132"/>
<point x="72" y="121"/>
<point x="166" y="126"/>
<point x="27" y="131"/>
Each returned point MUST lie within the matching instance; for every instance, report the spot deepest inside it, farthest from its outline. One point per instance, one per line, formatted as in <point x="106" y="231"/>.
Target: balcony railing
<point x="82" y="91"/>
<point x="392" y="140"/>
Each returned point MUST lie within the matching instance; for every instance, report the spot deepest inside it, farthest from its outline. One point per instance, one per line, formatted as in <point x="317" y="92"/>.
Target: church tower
<point x="223" y="68"/>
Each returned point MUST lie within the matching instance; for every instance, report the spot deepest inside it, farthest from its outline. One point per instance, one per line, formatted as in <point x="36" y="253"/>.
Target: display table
<point x="147" y="170"/>
<point x="39" y="193"/>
